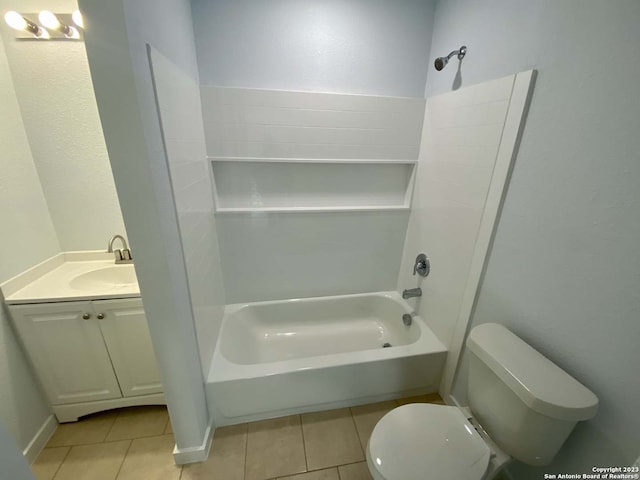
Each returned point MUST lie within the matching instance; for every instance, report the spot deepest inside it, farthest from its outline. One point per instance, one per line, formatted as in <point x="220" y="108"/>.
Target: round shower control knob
<point x="422" y="266"/>
<point x="86" y="316"/>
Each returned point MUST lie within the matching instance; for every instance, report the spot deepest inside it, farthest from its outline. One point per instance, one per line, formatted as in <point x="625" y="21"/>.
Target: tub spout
<point x="412" y="292"/>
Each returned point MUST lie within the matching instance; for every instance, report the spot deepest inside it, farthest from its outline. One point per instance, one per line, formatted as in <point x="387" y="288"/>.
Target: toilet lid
<point x="422" y="441"/>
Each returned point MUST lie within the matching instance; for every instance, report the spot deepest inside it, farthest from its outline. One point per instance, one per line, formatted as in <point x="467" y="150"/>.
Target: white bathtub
<point x="292" y="356"/>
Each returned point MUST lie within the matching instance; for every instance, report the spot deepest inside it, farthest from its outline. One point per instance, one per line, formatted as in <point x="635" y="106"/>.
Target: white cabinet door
<point x="67" y="351"/>
<point x="124" y="328"/>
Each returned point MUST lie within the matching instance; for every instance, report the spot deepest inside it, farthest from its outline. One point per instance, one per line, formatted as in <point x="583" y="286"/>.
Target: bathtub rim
<point x="392" y="295"/>
<point x="222" y="369"/>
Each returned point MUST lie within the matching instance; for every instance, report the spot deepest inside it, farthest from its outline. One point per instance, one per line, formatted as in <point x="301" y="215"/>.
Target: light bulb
<point x="49" y="20"/>
<point x="76" y="16"/>
<point x="15" y="20"/>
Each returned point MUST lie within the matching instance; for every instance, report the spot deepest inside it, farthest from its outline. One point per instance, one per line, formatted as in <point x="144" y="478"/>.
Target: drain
<point x="386" y="345"/>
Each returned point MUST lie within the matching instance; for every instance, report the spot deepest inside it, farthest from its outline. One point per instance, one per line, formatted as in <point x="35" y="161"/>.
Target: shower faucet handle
<point x="422" y="266"/>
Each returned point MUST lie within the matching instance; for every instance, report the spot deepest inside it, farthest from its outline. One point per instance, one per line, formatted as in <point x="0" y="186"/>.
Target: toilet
<point x="521" y="406"/>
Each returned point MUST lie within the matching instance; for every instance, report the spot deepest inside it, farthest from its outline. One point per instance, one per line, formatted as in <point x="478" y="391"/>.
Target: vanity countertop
<point x="72" y="276"/>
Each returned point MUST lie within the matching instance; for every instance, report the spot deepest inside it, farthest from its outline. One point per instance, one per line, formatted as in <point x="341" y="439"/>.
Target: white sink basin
<point x="119" y="277"/>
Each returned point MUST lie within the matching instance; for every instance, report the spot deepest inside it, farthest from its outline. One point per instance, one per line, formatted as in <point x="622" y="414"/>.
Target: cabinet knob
<point x="86" y="316"/>
<point x="100" y="316"/>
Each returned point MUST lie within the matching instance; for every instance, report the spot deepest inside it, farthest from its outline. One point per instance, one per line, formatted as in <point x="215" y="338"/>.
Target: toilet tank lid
<point x="538" y="382"/>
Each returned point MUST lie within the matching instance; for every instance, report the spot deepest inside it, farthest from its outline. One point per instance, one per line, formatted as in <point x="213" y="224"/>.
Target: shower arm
<point x="460" y="53"/>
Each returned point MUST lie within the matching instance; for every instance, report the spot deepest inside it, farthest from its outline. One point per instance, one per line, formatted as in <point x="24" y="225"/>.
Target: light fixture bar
<point x="18" y="22"/>
<point x="47" y="25"/>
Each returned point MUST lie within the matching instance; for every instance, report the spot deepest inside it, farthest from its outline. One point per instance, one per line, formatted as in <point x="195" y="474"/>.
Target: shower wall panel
<point x="178" y="100"/>
<point x="460" y="141"/>
<point x="270" y="256"/>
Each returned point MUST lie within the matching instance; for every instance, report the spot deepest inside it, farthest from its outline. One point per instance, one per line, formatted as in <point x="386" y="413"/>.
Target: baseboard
<point x="451" y="400"/>
<point x="195" y="454"/>
<point x="40" y="439"/>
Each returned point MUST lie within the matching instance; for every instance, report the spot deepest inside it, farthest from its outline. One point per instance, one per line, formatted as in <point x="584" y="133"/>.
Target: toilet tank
<point x="527" y="404"/>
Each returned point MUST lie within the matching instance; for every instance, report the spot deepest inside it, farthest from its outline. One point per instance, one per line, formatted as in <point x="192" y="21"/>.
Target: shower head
<point x="441" y="62"/>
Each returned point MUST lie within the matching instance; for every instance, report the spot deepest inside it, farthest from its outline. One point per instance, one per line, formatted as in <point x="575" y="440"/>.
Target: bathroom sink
<point x="115" y="277"/>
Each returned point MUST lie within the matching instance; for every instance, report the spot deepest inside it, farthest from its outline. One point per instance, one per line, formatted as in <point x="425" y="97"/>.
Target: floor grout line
<point x="60" y="466"/>
<point x="333" y="467"/>
<point x="246" y="450"/>
<point x="142" y="436"/>
<point x="109" y="441"/>
<point x="350" y="463"/>
<point x="318" y="469"/>
<point x="111" y="426"/>
<point x="355" y="425"/>
<point x="304" y="446"/>
<point x="123" y="460"/>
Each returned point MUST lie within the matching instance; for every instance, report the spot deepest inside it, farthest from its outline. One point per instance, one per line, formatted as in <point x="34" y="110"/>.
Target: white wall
<point x="60" y="116"/>
<point x="28" y="238"/>
<point x="563" y="272"/>
<point x="357" y="46"/>
<point x="116" y="39"/>
<point x="14" y="465"/>
<point x="461" y="136"/>
<point x="178" y="97"/>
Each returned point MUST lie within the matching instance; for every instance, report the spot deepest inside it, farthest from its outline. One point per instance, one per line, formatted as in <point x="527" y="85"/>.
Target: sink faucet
<point x="122" y="256"/>
<point x="412" y="292"/>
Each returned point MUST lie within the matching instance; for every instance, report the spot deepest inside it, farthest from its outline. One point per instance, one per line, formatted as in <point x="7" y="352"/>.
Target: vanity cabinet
<point x="90" y="355"/>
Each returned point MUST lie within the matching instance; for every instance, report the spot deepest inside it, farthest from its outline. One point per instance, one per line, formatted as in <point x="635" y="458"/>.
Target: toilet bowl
<point x="421" y="440"/>
<point x="437" y="442"/>
<point x="510" y="384"/>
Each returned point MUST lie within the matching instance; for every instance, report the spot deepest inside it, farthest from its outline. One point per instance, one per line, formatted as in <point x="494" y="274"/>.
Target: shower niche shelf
<point x="245" y="185"/>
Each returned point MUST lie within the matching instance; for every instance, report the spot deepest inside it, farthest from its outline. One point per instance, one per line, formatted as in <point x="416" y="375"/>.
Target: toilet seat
<point x="423" y="441"/>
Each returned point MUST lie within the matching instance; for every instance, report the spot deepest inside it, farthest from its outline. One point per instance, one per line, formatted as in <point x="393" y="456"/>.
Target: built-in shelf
<point x="245" y="185"/>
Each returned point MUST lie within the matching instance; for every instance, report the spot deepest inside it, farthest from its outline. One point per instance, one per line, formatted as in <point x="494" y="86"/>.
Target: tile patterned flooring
<point x="137" y="443"/>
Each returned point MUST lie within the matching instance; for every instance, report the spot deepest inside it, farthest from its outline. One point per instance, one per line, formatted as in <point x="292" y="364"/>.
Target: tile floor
<point x="137" y="443"/>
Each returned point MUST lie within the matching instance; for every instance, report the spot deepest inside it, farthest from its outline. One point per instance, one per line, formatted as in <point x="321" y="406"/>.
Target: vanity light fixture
<point x="18" y="22"/>
<point x="49" y="20"/>
<point x="76" y="16"/>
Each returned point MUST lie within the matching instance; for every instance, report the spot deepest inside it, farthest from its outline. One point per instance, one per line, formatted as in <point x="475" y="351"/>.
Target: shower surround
<point x="319" y="353"/>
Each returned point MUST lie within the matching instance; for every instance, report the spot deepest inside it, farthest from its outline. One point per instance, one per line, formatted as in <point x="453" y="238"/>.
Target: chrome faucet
<point x="122" y="256"/>
<point x="412" y="292"/>
<point x="422" y="266"/>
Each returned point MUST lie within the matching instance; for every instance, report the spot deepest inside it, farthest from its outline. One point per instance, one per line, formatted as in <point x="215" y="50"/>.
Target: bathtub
<point x="293" y="356"/>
